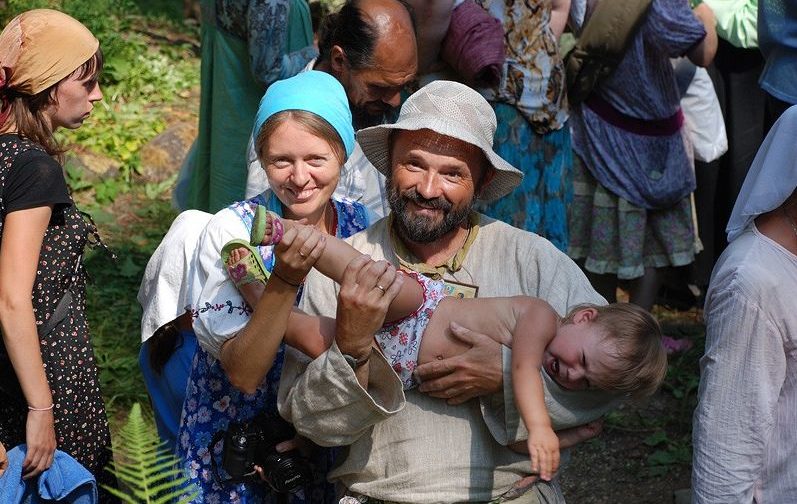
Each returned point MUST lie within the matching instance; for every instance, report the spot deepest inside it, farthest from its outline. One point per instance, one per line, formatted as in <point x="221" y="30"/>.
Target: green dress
<point x="246" y="45"/>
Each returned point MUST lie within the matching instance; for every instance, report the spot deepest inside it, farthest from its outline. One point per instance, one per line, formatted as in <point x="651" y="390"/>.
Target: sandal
<point x="246" y="270"/>
<point x="267" y="228"/>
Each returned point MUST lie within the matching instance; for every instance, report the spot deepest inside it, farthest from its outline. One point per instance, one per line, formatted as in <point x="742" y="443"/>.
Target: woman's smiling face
<point x="302" y="169"/>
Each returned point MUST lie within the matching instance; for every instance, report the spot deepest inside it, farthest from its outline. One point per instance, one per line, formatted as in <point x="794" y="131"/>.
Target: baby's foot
<point x="241" y="270"/>
<point x="245" y="274"/>
<point x="267" y="227"/>
<point x="574" y="435"/>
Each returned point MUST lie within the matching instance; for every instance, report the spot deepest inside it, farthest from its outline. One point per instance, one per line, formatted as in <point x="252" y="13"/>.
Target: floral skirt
<point x="539" y="203"/>
<point x="211" y="405"/>
<point x="613" y="236"/>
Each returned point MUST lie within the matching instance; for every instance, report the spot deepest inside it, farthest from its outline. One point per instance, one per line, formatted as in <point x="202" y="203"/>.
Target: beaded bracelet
<point x="274" y="272"/>
<point x="48" y="408"/>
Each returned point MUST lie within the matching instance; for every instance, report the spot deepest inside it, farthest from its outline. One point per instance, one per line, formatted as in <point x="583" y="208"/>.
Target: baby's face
<point x="577" y="354"/>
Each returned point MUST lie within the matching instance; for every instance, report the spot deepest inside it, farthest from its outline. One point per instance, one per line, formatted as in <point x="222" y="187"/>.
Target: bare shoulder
<point x="534" y="308"/>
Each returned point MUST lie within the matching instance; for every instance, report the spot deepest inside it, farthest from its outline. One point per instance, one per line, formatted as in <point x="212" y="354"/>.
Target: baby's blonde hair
<point x="639" y="360"/>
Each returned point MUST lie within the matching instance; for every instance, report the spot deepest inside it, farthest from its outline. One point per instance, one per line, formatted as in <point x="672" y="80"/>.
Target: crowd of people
<point x="406" y="288"/>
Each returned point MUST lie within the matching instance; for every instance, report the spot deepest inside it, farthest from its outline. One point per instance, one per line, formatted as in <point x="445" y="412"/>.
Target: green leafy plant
<point x="669" y="452"/>
<point x="145" y="466"/>
<point x="144" y="72"/>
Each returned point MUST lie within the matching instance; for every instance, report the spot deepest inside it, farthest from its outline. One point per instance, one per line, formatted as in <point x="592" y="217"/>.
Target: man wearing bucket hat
<point x="411" y="446"/>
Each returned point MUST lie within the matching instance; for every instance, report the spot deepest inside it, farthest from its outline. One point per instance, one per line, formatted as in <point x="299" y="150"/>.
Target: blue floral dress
<point x="212" y="403"/>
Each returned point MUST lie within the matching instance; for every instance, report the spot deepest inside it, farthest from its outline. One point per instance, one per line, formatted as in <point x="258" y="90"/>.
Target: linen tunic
<point x="745" y="424"/>
<point x="405" y="445"/>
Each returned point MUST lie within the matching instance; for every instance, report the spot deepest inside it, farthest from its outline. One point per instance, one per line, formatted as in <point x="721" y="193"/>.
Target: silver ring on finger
<point x="381" y="288"/>
<point x="302" y="255"/>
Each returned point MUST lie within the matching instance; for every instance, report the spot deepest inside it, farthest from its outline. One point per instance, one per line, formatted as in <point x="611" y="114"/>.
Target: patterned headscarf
<point x="38" y="48"/>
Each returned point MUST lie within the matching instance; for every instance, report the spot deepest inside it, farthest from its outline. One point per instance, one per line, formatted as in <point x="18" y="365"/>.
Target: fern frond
<point x="145" y="467"/>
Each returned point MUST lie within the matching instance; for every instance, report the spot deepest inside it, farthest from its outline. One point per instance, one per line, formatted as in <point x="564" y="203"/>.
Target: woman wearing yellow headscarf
<point x="49" y="385"/>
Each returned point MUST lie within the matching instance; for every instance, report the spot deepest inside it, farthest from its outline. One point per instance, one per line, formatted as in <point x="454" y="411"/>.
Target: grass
<point x="113" y="310"/>
<point x="668" y="420"/>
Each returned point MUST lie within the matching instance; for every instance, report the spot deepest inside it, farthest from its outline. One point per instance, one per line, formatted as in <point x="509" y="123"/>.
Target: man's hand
<point x="366" y="291"/>
<point x="476" y="372"/>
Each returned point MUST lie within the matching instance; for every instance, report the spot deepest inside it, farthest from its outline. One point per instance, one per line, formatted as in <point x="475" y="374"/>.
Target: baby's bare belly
<point x="480" y="315"/>
<point x="437" y="342"/>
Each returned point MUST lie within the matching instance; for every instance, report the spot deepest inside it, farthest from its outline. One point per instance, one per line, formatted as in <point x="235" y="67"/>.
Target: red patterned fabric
<point x="474" y="45"/>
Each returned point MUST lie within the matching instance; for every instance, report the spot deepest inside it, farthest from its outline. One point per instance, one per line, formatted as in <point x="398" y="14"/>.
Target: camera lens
<point x="285" y="473"/>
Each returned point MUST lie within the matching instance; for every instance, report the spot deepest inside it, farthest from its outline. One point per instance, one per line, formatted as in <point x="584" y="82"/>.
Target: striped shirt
<point x="745" y="425"/>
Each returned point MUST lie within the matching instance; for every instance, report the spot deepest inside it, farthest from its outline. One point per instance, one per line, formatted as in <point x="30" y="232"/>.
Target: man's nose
<point x="429" y="186"/>
<point x="392" y="98"/>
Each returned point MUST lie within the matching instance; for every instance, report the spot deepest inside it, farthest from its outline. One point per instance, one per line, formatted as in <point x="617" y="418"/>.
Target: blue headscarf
<point x="312" y="91"/>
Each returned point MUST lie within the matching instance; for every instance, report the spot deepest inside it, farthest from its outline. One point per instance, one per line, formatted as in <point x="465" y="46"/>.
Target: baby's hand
<point x="544" y="450"/>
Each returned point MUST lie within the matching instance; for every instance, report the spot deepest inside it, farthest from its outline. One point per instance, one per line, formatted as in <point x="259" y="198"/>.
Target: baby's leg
<point x="567" y="437"/>
<point x="333" y="262"/>
<point x="310" y="335"/>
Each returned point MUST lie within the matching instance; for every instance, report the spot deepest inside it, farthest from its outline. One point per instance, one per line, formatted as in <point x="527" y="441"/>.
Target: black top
<point x="34" y="179"/>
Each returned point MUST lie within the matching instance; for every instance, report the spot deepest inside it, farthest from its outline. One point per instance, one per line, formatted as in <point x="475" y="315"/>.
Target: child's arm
<point x="535" y="327"/>
<point x="310" y="335"/>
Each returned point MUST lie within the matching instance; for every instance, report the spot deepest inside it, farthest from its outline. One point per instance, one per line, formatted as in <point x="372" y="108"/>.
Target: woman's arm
<point x="23" y="233"/>
<point x="560" y="11"/>
<point x="702" y="54"/>
<point x="247" y="356"/>
<point x="741" y="375"/>
<point x="535" y="327"/>
<point x="267" y="27"/>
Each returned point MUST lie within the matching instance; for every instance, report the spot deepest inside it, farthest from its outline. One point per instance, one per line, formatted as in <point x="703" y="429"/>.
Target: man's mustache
<point x="438" y="203"/>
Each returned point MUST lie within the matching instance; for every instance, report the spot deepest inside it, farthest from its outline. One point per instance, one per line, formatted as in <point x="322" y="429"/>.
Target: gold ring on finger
<point x="301" y="254"/>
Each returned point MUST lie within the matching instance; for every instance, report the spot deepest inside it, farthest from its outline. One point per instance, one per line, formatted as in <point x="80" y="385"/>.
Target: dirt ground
<point x="613" y="469"/>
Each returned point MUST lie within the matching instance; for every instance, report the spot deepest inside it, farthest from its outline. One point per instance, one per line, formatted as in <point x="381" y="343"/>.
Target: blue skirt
<point x="167" y="388"/>
<point x="539" y="203"/>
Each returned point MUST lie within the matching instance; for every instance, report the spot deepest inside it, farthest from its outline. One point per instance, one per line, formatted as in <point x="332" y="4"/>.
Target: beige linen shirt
<point x="405" y="445"/>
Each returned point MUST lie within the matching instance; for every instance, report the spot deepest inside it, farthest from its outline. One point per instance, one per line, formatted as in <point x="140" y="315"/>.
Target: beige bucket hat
<point x="452" y="109"/>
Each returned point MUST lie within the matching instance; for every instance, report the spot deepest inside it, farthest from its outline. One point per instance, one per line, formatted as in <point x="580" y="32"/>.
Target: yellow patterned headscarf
<point x="38" y="48"/>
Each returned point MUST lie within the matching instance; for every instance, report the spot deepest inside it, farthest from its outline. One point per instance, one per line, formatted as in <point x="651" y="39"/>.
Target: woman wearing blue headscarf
<point x="303" y="136"/>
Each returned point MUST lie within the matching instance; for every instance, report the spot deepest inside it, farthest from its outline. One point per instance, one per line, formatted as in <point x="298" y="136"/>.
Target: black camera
<point x="253" y="443"/>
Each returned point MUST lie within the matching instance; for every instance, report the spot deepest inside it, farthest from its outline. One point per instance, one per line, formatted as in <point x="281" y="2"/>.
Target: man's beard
<point x="422" y="229"/>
